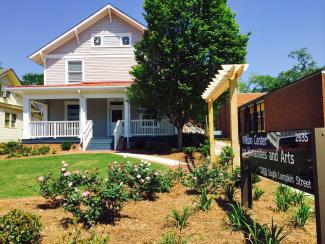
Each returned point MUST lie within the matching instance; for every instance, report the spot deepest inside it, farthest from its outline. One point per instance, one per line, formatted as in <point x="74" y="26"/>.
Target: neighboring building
<point x="11" y="115"/>
<point x="86" y="75"/>
<point x="299" y="105"/>
<point x="223" y="115"/>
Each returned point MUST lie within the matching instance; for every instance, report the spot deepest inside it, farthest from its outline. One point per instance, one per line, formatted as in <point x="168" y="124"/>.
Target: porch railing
<point x="151" y="127"/>
<point x="44" y="129"/>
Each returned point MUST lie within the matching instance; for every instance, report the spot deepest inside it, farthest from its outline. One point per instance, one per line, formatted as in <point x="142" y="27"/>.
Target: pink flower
<point x="65" y="165"/>
<point x="62" y="169"/>
<point x="41" y="178"/>
<point x="66" y="174"/>
<point x="85" y="193"/>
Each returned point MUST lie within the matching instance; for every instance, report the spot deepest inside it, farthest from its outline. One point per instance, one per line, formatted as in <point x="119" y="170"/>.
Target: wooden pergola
<point x="227" y="78"/>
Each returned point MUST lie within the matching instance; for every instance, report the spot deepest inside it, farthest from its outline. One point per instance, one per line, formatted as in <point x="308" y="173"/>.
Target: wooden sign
<point x="294" y="158"/>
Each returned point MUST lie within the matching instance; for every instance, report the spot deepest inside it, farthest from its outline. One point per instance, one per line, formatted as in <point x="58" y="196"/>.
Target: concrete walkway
<point x="153" y="159"/>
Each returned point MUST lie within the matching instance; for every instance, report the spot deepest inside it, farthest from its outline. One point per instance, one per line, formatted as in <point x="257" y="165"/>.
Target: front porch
<point x="95" y="123"/>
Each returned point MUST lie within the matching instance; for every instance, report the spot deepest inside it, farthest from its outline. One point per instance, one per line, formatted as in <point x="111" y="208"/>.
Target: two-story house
<point x="11" y="111"/>
<point x="86" y="75"/>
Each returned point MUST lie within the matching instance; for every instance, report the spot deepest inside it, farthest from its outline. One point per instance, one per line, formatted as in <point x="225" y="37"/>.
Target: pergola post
<point x="233" y="92"/>
<point x="211" y="131"/>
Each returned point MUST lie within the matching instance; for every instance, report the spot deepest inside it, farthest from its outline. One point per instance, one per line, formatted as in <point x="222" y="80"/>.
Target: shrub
<point x="142" y="181"/>
<point x="18" y="226"/>
<point x="11" y="147"/>
<point x="180" y="218"/>
<point x="91" y="207"/>
<point x="257" y="193"/>
<point x="43" y="150"/>
<point x="53" y="187"/>
<point x="189" y="152"/>
<point x="303" y="214"/>
<point x="176" y="174"/>
<point x="227" y="155"/>
<point x="205" y="176"/>
<point x="204" y="149"/>
<point x="66" y="146"/>
<point x="238" y="217"/>
<point x="204" y="202"/>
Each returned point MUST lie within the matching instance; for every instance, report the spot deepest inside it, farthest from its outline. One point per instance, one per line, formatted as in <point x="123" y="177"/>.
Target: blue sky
<point x="277" y="27"/>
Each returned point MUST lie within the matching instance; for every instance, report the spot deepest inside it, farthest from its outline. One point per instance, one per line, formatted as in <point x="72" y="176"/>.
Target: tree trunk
<point x="180" y="139"/>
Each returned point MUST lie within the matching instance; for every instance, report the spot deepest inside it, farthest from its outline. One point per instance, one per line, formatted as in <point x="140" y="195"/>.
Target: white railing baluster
<point x="54" y="129"/>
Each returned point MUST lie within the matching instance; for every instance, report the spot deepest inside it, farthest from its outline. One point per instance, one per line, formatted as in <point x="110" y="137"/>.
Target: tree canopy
<point x="33" y="79"/>
<point x="265" y="83"/>
<point x="185" y="45"/>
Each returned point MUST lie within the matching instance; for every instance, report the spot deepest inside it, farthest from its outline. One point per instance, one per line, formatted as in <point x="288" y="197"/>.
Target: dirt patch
<point x="145" y="221"/>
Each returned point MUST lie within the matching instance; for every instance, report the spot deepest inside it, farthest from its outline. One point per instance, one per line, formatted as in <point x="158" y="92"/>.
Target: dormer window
<point x="112" y="40"/>
<point x="97" y="41"/>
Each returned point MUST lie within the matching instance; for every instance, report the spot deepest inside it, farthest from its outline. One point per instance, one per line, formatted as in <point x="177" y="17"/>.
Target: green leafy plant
<point x="11" y="147"/>
<point x="174" y="238"/>
<point x="274" y="234"/>
<point x="180" y="218"/>
<point x="18" y="226"/>
<point x="238" y="216"/>
<point x="254" y="232"/>
<point x="303" y="214"/>
<point x="283" y="198"/>
<point x="204" y="149"/>
<point x="204" y="202"/>
<point x="297" y="198"/>
<point x="227" y="155"/>
<point x="189" y="152"/>
<point x="257" y="193"/>
<point x="229" y="190"/>
<point x="66" y="146"/>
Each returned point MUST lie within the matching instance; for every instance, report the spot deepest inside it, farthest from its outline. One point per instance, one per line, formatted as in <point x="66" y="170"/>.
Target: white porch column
<point x="82" y="114"/>
<point x="26" y="118"/>
<point x="127" y="122"/>
<point x="45" y="113"/>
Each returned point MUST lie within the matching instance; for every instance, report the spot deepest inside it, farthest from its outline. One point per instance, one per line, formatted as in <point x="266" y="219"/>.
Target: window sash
<point x="74" y="70"/>
<point x="13" y="120"/>
<point x="7" y="120"/>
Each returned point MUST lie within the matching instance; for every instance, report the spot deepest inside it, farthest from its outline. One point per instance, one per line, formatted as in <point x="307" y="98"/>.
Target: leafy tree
<point x="182" y="50"/>
<point x="33" y="79"/>
<point x="266" y="83"/>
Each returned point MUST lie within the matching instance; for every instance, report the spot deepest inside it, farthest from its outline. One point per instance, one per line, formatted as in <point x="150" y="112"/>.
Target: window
<point x="260" y="117"/>
<point x="251" y="116"/>
<point x="7" y="120"/>
<point x="97" y="41"/>
<point x="72" y="112"/>
<point x="13" y="120"/>
<point x="75" y="71"/>
<point x="117" y="115"/>
<point x="112" y="40"/>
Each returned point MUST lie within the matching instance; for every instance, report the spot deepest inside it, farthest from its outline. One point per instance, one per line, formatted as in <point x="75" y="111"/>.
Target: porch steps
<point x="100" y="144"/>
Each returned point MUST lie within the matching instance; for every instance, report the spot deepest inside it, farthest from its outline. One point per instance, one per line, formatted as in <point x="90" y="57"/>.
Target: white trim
<point x="45" y="68"/>
<point x="66" y="104"/>
<point x="69" y="88"/>
<point x="67" y="71"/>
<point x="69" y="56"/>
<point x="108" y="117"/>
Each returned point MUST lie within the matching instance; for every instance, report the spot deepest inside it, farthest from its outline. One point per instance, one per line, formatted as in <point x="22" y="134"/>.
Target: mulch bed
<point x="145" y="221"/>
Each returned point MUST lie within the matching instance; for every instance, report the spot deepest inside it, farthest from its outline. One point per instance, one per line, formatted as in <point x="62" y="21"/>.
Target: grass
<point x="18" y="177"/>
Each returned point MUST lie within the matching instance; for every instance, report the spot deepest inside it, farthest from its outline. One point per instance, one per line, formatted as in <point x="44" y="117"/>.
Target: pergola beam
<point x="227" y="78"/>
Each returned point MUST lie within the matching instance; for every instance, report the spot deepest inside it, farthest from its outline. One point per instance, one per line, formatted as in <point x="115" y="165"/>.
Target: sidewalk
<point x="153" y="159"/>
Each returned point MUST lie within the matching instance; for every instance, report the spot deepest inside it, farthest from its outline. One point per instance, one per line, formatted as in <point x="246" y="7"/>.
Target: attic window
<point x="97" y="41"/>
<point x="125" y="40"/>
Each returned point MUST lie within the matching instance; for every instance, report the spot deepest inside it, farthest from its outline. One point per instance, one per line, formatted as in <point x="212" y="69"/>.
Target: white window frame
<point x="67" y="70"/>
<point x="66" y="104"/>
<point x="120" y="35"/>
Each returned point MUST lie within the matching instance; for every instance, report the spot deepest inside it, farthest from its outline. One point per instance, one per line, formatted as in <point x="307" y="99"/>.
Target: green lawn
<point x="18" y="177"/>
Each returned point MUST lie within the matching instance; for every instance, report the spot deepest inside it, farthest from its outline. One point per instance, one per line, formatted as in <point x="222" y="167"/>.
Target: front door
<point x="97" y="112"/>
<point x="116" y="115"/>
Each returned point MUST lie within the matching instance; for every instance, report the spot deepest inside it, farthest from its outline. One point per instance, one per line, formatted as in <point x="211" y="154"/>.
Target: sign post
<point x="294" y="158"/>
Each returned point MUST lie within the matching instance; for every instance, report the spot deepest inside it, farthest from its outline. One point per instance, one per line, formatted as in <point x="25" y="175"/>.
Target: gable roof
<point x="108" y="9"/>
<point x="11" y="75"/>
